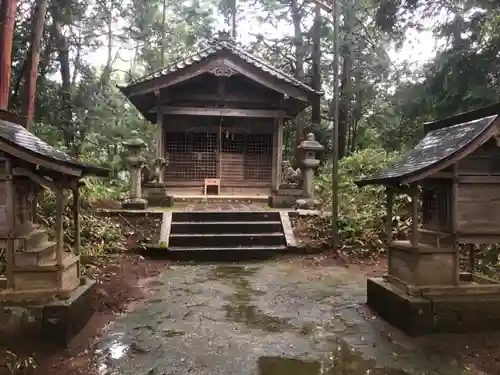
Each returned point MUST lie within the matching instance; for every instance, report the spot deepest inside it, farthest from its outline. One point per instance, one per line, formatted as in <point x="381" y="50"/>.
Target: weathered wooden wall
<point x="478" y="194"/>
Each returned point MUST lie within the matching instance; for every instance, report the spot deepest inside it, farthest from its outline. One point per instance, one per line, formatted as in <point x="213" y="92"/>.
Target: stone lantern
<point x="135" y="161"/>
<point x="310" y="146"/>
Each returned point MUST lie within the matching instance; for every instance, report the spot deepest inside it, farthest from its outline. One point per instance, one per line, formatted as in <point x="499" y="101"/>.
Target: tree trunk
<point x="299" y="74"/>
<point x="345" y="96"/>
<point x="316" y="69"/>
<point x="67" y="113"/>
<point x="7" y="20"/>
<point x="233" y="19"/>
<point x="45" y="58"/>
<point x="34" y="58"/>
<point x="346" y="80"/>
<point x="15" y="97"/>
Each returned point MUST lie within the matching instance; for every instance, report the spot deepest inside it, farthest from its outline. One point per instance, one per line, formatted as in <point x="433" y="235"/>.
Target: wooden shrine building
<point x="220" y="115"/>
<point x="42" y="269"/>
<point x="455" y="173"/>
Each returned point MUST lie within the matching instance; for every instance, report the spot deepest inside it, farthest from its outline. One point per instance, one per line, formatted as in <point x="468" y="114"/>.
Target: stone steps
<point x="223" y="235"/>
<point x="226" y="227"/>
<point x="226" y="239"/>
<point x="222" y="216"/>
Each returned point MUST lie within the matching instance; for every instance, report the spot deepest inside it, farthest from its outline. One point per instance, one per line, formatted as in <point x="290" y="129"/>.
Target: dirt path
<point x="277" y="318"/>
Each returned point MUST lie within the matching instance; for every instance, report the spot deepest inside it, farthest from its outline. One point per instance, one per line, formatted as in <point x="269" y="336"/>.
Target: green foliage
<point x="361" y="209"/>
<point x="98" y="235"/>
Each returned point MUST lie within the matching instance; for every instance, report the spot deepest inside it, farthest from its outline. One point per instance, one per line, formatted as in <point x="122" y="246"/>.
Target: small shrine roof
<point x="14" y="137"/>
<point x="437" y="150"/>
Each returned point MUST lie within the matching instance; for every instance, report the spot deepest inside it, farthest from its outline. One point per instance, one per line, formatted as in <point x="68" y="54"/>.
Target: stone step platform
<point x="243" y="235"/>
<point x="222" y="216"/>
<point x="183" y="199"/>
<point x="39" y="255"/>
<point x="218" y="227"/>
<point x="231" y="253"/>
<point x="226" y="239"/>
<point x="48" y="275"/>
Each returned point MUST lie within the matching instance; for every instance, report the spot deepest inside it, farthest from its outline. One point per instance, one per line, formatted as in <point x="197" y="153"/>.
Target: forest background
<point x="87" y="47"/>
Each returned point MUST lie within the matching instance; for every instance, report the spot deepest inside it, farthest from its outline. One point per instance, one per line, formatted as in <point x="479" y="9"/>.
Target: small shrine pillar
<point x="135" y="161"/>
<point x="310" y="147"/>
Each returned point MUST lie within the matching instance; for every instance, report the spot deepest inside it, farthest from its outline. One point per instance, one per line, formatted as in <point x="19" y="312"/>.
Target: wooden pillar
<point x="279" y="152"/>
<point x="160" y="152"/>
<point x="414" y="215"/>
<point x="59" y="229"/>
<point x="454" y="225"/>
<point x="274" y="169"/>
<point x="34" y="203"/>
<point x="76" y="219"/>
<point x="11" y="220"/>
<point x="388" y="225"/>
<point x="388" y="219"/>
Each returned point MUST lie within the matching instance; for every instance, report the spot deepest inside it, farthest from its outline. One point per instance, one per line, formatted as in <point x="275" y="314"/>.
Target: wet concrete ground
<point x="276" y="318"/>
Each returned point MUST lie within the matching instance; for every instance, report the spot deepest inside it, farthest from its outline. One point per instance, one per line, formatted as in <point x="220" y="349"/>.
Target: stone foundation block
<point x="284" y="198"/>
<point x="412" y="315"/>
<point x="136" y="204"/>
<point x="62" y="320"/>
<point x="466" y="313"/>
<point x="166" y="201"/>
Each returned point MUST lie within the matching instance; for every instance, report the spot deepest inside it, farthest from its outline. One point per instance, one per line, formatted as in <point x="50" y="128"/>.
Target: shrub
<point x="361" y="210"/>
<point x="98" y="235"/>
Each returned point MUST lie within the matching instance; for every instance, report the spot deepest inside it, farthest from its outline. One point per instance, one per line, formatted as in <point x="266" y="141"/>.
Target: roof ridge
<point x="160" y="71"/>
<point x="260" y="60"/>
<point x="215" y="45"/>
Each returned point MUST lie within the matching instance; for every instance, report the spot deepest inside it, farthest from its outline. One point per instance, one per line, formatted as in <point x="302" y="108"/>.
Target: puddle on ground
<point x="240" y="309"/>
<point x="255" y="318"/>
<point x="342" y="361"/>
<point x="106" y="356"/>
<point x="232" y="272"/>
<point x="172" y="333"/>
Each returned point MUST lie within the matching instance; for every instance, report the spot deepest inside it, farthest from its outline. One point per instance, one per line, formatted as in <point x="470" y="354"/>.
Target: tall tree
<point x="297" y="13"/>
<point x="39" y="12"/>
<point x="7" y="21"/>
<point x="316" y="66"/>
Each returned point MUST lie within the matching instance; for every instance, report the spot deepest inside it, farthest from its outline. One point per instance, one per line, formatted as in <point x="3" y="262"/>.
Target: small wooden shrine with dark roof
<point x="219" y="115"/>
<point x="455" y="172"/>
<point x="42" y="269"/>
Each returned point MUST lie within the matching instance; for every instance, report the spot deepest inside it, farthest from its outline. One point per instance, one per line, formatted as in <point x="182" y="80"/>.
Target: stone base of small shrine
<point x="135" y="204"/>
<point x="422" y="264"/>
<point x="284" y="197"/>
<point x="157" y="195"/>
<point x="471" y="306"/>
<point x="54" y="320"/>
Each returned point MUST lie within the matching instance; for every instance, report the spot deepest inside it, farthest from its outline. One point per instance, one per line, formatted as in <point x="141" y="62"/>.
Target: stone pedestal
<point x="52" y="320"/>
<point x="157" y="195"/>
<point x="284" y="197"/>
<point x="135" y="204"/>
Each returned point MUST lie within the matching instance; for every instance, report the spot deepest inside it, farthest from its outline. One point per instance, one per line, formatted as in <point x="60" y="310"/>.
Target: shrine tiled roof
<point x="437" y="146"/>
<point x="228" y="45"/>
<point x="16" y="135"/>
